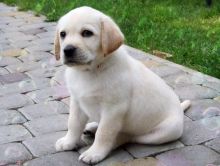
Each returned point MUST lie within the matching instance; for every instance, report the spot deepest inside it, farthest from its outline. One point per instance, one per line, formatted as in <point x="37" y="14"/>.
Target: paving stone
<point x="47" y="62"/>
<point x="212" y="85"/>
<point x="23" y="67"/>
<point x="117" y="155"/>
<point x="46" y="34"/>
<point x="183" y="79"/>
<point x="189" y="156"/>
<point x="13" y="133"/>
<point x="4" y="61"/>
<point x="42" y="72"/>
<point x="21" y="45"/>
<point x="12" y="34"/>
<point x="35" y="56"/>
<point x="24" y="86"/>
<point x="43" y="41"/>
<point x="195" y="92"/>
<point x="149" y="161"/>
<point x="48" y="124"/>
<point x="214" y="144"/>
<point x="3" y="71"/>
<point x="164" y="71"/>
<point x="200" y="131"/>
<point x="8" y="117"/>
<point x="33" y="31"/>
<point x="137" y="54"/>
<point x="45" y="47"/>
<point x="58" y="159"/>
<point x="44" y="109"/>
<point x="140" y="150"/>
<point x="22" y="38"/>
<point x="43" y="145"/>
<point x="48" y="94"/>
<point x="217" y="98"/>
<point x="33" y="25"/>
<point x="13" y="153"/>
<point x="13" y="77"/>
<point x="60" y="77"/>
<point x="14" y="101"/>
<point x="151" y="64"/>
<point x="203" y="108"/>
<point x="13" y="52"/>
<point x="66" y="101"/>
<point x="187" y="119"/>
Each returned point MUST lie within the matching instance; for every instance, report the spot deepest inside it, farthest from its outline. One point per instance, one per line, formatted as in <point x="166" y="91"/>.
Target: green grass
<point x="188" y="29"/>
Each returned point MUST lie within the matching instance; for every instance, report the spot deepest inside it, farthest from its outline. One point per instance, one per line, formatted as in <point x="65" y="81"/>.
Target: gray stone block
<point x="66" y="101"/>
<point x="197" y="132"/>
<point x="45" y="47"/>
<point x="140" y="150"/>
<point x="12" y="133"/>
<point x="58" y="159"/>
<point x="48" y="124"/>
<point x="189" y="156"/>
<point x="59" y="77"/>
<point x="183" y="79"/>
<point x="13" y="153"/>
<point x="50" y="62"/>
<point x="203" y="108"/>
<point x="24" y="86"/>
<point x="48" y="94"/>
<point x="35" y="56"/>
<point x="149" y="161"/>
<point x="3" y="71"/>
<point x="23" y="67"/>
<point x="14" y="101"/>
<point x="46" y="34"/>
<point x="44" y="109"/>
<point x="42" y="72"/>
<point x="6" y="60"/>
<point x="213" y="85"/>
<point x="195" y="92"/>
<point x="164" y="71"/>
<point x="117" y="155"/>
<point x="8" y="117"/>
<point x="12" y="77"/>
<point x="43" y="145"/>
<point x="22" y="38"/>
<point x="214" y="144"/>
<point x="43" y="41"/>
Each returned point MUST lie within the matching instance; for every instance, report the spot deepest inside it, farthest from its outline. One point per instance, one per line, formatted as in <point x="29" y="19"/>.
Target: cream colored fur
<point x="128" y="101"/>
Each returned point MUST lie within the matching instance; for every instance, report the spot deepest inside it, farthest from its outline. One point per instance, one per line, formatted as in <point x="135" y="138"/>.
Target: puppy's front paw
<point x="65" y="143"/>
<point x="92" y="156"/>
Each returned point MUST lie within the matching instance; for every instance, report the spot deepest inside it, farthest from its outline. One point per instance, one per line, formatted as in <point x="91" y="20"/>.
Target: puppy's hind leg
<point x="89" y="133"/>
<point x="169" y="130"/>
<point x="90" y="128"/>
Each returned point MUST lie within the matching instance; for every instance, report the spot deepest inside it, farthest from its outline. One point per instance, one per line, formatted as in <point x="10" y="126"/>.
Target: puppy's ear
<point x="57" y="45"/>
<point x="111" y="36"/>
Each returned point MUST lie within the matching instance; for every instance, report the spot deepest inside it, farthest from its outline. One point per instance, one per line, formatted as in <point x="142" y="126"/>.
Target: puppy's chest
<point x="89" y="98"/>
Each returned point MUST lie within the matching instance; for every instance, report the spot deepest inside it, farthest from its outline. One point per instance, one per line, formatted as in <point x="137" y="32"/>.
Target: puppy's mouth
<point x="72" y="63"/>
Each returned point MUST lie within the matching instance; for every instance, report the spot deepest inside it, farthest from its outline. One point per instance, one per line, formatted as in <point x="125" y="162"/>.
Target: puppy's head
<point x="84" y="35"/>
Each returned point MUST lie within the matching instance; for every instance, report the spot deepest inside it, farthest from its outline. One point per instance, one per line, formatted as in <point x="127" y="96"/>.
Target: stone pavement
<point x="34" y="103"/>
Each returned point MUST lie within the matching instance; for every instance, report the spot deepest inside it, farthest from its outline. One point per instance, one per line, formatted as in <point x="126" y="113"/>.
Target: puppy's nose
<point x="69" y="51"/>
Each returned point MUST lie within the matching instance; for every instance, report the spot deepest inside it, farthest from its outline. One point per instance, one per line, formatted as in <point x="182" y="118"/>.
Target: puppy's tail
<point x="185" y="104"/>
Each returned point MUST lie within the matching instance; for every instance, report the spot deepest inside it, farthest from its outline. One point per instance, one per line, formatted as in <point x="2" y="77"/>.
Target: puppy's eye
<point x="62" y="34"/>
<point x="87" y="33"/>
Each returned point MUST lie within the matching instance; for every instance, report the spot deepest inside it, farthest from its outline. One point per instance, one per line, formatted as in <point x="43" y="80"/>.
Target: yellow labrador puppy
<point x="128" y="101"/>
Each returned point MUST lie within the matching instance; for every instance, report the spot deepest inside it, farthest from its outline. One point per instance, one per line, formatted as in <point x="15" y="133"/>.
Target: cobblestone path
<point x="34" y="103"/>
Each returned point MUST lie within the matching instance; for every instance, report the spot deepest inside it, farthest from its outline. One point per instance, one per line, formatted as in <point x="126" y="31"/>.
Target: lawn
<point x="189" y="30"/>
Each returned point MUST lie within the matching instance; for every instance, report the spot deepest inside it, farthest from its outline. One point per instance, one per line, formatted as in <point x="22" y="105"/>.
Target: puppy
<point x="107" y="86"/>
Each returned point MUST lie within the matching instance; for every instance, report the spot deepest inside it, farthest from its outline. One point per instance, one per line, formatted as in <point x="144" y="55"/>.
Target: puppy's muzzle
<point x="73" y="56"/>
<point x="69" y="52"/>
